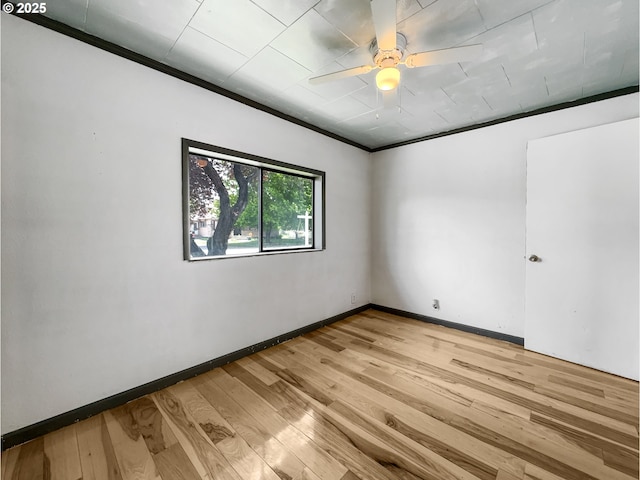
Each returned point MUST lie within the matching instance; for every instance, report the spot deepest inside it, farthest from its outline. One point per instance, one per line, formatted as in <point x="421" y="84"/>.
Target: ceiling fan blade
<point x="384" y="22"/>
<point x="349" y="72"/>
<point x="448" y="55"/>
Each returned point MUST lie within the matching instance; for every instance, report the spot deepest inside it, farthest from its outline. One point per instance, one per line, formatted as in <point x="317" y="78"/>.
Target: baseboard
<point x="30" y="432"/>
<point x="456" y="326"/>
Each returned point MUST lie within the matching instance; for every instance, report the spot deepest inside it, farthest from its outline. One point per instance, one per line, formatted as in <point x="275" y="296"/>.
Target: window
<point x="236" y="204"/>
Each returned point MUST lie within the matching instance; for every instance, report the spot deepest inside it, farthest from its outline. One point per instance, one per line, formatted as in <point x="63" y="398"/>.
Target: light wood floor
<point x="371" y="397"/>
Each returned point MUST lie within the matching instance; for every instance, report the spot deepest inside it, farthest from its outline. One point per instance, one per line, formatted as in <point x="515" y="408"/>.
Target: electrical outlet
<point x="436" y="304"/>
<point x="353" y="299"/>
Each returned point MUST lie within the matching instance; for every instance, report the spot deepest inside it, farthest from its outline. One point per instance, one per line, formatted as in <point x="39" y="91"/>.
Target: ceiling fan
<point x="388" y="50"/>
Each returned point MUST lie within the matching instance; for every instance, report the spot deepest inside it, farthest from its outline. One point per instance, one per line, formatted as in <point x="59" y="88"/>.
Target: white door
<point x="582" y="224"/>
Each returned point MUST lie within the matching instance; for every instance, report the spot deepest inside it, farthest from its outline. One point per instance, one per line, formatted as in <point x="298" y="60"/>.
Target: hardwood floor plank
<point x="130" y="449"/>
<point x="502" y="475"/>
<point x="30" y="464"/>
<point x="9" y="461"/>
<point x="259" y="371"/>
<point x="456" y="392"/>
<point x="384" y="331"/>
<point x="245" y="461"/>
<point x="303" y="447"/>
<point x="429" y="348"/>
<point x="579" y="371"/>
<point x="503" y="359"/>
<point x="407" y="328"/>
<point x="560" y="380"/>
<point x="196" y="444"/>
<point x="211" y="423"/>
<point x="630" y="419"/>
<point x="395" y="463"/>
<point x="622" y="460"/>
<point x="254" y="383"/>
<point x="380" y="407"/>
<point x="487" y="431"/>
<point x="442" y="393"/>
<point x="473" y="395"/>
<point x="268" y="363"/>
<point x="433" y="337"/>
<point x="515" y="374"/>
<point x="592" y="443"/>
<point x="491" y="373"/>
<point x="419" y="461"/>
<point x="608" y="402"/>
<point x="141" y="418"/>
<point x="315" y="391"/>
<point x="97" y="457"/>
<point x="325" y="340"/>
<point x="371" y="397"/>
<point x="352" y="331"/>
<point x="314" y="424"/>
<point x="511" y="370"/>
<point x="624" y="399"/>
<point x="350" y="476"/>
<point x="615" y="430"/>
<point x="472" y="465"/>
<point x="310" y="416"/>
<point x="235" y="449"/>
<point x="532" y="472"/>
<point x="63" y="458"/>
<point x="173" y="463"/>
<point x="493" y="434"/>
<point x="283" y="462"/>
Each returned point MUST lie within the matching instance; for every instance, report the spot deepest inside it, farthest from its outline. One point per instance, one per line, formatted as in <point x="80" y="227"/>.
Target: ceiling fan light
<point x="388" y="78"/>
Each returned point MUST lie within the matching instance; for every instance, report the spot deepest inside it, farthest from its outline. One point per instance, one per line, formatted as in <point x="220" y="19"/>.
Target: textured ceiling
<point x="537" y="53"/>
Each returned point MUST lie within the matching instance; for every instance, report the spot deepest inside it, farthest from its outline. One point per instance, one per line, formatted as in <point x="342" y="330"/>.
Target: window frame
<point x="318" y="242"/>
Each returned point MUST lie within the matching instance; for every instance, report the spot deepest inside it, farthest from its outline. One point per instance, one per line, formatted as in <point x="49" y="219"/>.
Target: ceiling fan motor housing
<point x="388" y="58"/>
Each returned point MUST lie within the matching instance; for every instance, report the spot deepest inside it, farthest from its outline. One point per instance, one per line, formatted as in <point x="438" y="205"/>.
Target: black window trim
<point x="262" y="163"/>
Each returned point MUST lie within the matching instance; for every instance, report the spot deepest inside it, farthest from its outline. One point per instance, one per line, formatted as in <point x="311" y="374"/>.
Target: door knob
<point x="535" y="258"/>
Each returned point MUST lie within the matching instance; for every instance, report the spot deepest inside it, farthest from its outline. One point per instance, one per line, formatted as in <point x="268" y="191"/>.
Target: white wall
<point x="96" y="298"/>
<point x="449" y="218"/>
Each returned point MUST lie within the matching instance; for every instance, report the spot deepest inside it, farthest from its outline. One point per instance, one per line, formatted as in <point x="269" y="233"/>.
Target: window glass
<point x="222" y="207"/>
<point x="287" y="207"/>
<point x="239" y="204"/>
